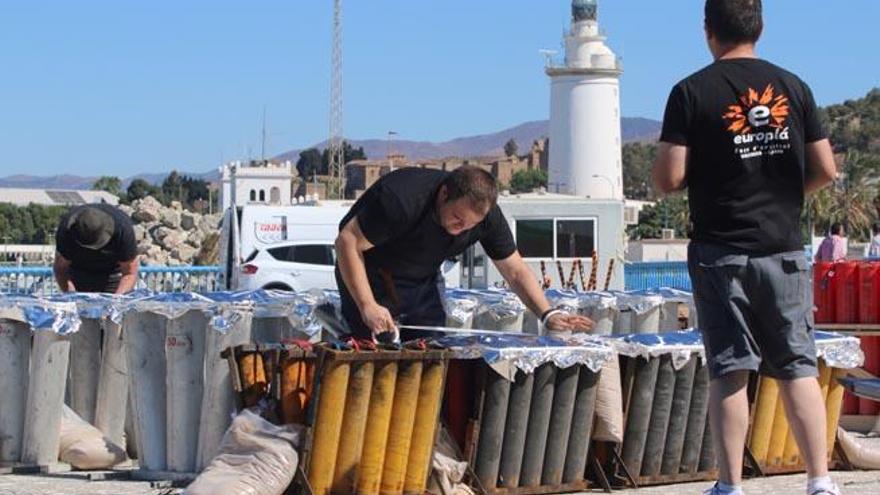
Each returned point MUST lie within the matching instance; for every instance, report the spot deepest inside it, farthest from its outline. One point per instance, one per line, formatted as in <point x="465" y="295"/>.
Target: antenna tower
<point x="335" y="146"/>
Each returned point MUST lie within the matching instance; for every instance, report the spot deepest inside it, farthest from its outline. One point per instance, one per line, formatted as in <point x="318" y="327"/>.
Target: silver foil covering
<point x="60" y="317"/>
<point x="839" y="351"/>
<point x="460" y="305"/>
<point x="527" y="352"/>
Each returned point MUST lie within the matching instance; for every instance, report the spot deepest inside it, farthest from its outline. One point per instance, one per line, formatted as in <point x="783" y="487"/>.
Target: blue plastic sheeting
<point x="41" y="314"/>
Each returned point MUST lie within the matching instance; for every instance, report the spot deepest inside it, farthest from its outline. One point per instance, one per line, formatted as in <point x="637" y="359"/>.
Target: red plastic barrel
<point x="871" y="348"/>
<point x="846" y="292"/>
<point x="823" y="291"/>
<point x="869" y="292"/>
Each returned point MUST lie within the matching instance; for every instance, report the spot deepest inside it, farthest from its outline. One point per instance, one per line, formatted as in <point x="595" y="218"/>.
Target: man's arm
<point x="821" y="169"/>
<point x="129" y="275"/>
<point x="60" y="268"/>
<point x="524" y="284"/>
<point x="350" y="246"/>
<point x="670" y="167"/>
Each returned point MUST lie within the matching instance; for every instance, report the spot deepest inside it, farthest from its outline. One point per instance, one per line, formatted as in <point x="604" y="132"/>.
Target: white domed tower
<point x="585" y="156"/>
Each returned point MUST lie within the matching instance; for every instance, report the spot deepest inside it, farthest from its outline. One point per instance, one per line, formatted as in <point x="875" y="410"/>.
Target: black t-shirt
<point x="104" y="261"/>
<point x="746" y="123"/>
<point x="397" y="215"/>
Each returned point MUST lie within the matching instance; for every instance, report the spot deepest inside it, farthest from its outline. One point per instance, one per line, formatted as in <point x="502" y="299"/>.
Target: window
<point x="556" y="237"/>
<point x="534" y="238"/>
<point x="575" y="238"/>
<point x="274" y="195"/>
<point x="262" y="195"/>
<point x="253" y="195"/>
<point x="311" y="254"/>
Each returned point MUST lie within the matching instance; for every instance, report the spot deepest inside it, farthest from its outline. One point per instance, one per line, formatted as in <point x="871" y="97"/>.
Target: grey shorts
<point x="755" y="312"/>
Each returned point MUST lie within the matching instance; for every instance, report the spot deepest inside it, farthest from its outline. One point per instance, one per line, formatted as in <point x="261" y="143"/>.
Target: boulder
<point x="168" y="238"/>
<point x="209" y="223"/>
<point x="175" y="205"/>
<point x="127" y="209"/>
<point x="170" y="218"/>
<point x="146" y="210"/>
<point x="140" y="232"/>
<point x="189" y="220"/>
<point x="184" y="253"/>
<point x="195" y="238"/>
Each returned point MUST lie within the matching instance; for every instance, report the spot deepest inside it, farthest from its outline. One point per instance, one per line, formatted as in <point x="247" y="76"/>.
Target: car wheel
<point x="283" y="287"/>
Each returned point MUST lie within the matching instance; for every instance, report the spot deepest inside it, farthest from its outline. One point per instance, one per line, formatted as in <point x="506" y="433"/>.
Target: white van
<point x="287" y="247"/>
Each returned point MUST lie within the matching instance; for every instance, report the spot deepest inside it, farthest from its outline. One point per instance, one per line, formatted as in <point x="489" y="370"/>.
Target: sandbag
<point x="859" y="454"/>
<point x="447" y="470"/>
<point x="608" y="425"/>
<point x="256" y="458"/>
<point x="83" y="446"/>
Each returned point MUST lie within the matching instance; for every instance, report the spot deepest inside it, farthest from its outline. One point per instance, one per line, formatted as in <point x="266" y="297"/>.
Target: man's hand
<point x="378" y="319"/>
<point x="561" y="322"/>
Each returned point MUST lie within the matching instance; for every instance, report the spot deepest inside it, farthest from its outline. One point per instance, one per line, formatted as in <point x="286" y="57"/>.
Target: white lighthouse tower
<point x="585" y="156"/>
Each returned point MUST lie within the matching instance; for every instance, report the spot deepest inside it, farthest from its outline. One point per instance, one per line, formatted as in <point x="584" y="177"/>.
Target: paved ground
<point x="852" y="483"/>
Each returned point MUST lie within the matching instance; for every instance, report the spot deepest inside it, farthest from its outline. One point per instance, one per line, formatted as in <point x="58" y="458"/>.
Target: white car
<point x="296" y="265"/>
<point x="304" y="265"/>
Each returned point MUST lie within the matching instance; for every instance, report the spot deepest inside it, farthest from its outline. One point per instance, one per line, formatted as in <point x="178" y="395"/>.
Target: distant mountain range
<point x="633" y="129"/>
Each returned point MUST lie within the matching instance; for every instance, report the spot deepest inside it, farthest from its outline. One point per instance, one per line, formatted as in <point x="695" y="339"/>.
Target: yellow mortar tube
<point x="765" y="412"/>
<point x="369" y="474"/>
<point x="406" y="398"/>
<point x="354" y="422"/>
<point x="422" y="443"/>
<point x="328" y="423"/>
<point x="253" y="378"/>
<point x="297" y="377"/>
<point x="832" y="408"/>
<point x="824" y="379"/>
<point x="778" y="435"/>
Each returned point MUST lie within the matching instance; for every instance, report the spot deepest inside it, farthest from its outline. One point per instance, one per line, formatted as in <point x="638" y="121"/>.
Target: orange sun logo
<point x="752" y="111"/>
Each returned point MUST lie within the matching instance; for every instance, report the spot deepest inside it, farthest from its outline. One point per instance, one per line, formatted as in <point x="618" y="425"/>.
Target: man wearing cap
<point x="96" y="251"/>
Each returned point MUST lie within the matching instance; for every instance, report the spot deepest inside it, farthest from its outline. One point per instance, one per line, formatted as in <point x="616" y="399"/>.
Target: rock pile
<point x="172" y="236"/>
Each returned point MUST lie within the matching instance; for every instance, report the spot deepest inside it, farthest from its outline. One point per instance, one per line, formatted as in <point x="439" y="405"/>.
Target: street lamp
<point x="610" y="183"/>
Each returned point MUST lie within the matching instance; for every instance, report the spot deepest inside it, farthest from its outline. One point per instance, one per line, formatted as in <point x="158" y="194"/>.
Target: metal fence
<point x="649" y="274"/>
<point x="41" y="281"/>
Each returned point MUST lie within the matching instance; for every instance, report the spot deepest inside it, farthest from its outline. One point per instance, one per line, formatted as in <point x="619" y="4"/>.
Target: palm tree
<point x="852" y="200"/>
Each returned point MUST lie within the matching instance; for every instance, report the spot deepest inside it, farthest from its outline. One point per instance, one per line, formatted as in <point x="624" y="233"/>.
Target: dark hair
<point x="472" y="183"/>
<point x="876" y="227"/>
<point x="734" y="21"/>
<point x="836" y="228"/>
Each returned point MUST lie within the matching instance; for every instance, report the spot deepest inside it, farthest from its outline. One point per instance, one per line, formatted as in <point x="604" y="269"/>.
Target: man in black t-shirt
<point x="744" y="137"/>
<point x="96" y="251"/>
<point x="398" y="233"/>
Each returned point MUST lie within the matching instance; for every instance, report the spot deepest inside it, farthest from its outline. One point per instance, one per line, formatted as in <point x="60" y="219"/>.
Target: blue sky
<point x="109" y="87"/>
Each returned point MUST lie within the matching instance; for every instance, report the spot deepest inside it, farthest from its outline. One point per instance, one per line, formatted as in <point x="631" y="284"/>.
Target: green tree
<point x="310" y="163"/>
<point x="172" y="187"/>
<point x="511" y="148"/>
<point x="349" y="153"/>
<point x="527" y="180"/>
<point x="31" y="224"/>
<point x="851" y="200"/>
<point x="108" y="183"/>
<point x="671" y="212"/>
<point x="140" y="188"/>
<point x="638" y="159"/>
